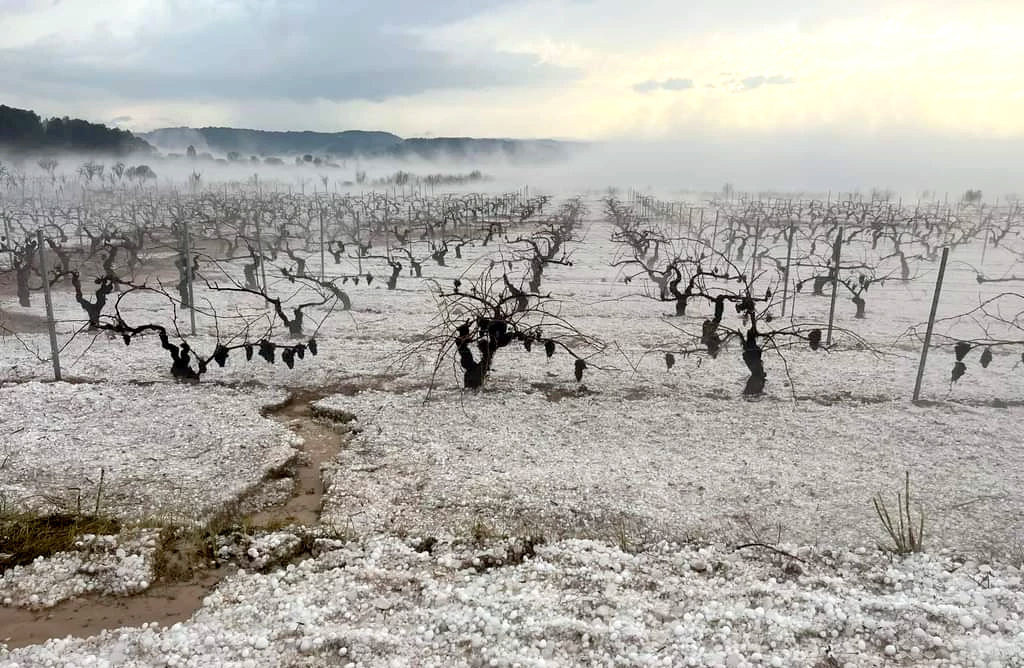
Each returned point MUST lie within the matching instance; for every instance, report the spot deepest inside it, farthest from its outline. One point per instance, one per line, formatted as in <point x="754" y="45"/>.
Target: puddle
<point x="164" y="604"/>
<point x="322" y="435"/>
<point x="169" y="602"/>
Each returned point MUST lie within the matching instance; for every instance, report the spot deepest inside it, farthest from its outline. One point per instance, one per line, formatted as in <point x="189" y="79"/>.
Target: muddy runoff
<point x="186" y="570"/>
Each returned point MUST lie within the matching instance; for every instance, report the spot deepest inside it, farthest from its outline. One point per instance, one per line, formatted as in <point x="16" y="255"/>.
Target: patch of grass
<point x="185" y="550"/>
<point x="622" y="537"/>
<point x="482" y="532"/>
<point x="25" y="536"/>
<point x="177" y="555"/>
<point x="901" y="531"/>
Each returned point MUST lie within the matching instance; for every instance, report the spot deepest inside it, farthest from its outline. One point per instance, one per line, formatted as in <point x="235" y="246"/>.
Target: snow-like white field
<point x="165" y="451"/>
<point x="642" y="480"/>
<point x="380" y="602"/>
<point x="657" y="468"/>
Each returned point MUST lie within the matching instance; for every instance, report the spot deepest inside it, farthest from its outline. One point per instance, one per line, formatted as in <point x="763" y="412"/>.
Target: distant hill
<point x="352" y="144"/>
<point x="25" y="130"/>
<point x="266" y="143"/>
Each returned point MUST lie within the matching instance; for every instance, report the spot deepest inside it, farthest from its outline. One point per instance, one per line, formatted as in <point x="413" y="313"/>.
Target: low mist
<point x="906" y="166"/>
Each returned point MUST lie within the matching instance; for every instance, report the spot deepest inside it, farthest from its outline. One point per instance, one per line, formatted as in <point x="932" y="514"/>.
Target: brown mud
<point x="176" y="599"/>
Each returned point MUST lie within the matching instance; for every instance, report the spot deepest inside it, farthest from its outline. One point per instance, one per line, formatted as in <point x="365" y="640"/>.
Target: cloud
<point x="759" y="80"/>
<point x="652" y="85"/>
<point x="284" y="80"/>
<point x="250" y="49"/>
<point x="662" y="24"/>
<point x="490" y="67"/>
<point x="677" y="84"/>
<point x="732" y="82"/>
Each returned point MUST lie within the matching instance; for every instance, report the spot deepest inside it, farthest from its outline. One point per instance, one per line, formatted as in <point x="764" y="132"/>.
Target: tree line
<point x="23" y="130"/>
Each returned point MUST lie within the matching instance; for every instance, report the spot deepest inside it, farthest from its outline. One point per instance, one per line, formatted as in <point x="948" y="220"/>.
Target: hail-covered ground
<point x="643" y="515"/>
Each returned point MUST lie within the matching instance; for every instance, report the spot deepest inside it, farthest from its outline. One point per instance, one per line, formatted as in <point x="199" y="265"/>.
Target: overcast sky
<point x="586" y="69"/>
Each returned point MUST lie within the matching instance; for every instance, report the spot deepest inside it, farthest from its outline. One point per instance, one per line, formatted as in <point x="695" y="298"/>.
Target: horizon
<point x="364" y="130"/>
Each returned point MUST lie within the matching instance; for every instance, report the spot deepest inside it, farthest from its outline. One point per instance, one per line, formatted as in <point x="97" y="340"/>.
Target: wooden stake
<point x="785" y="275"/>
<point x="51" y="326"/>
<point x="836" y="252"/>
<point x="931" y="323"/>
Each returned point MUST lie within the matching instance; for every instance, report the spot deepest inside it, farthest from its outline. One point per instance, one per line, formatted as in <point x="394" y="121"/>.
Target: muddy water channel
<point x="168" y="602"/>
